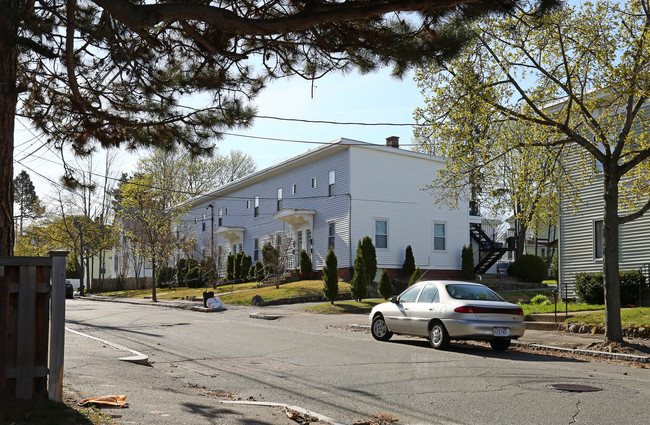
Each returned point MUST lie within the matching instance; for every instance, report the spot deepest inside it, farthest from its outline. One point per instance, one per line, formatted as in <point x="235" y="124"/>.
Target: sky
<point x="370" y="98"/>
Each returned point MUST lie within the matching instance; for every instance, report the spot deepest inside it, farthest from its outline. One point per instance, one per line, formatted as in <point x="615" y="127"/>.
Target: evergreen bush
<point x="165" y="276"/>
<point x="408" y="267"/>
<point x="246" y="264"/>
<point x="194" y="278"/>
<point x="415" y="276"/>
<point x="239" y="272"/>
<point x="529" y="268"/>
<point x="230" y="267"/>
<point x="358" y="284"/>
<point x="306" y="268"/>
<point x="590" y="289"/>
<point x="385" y="286"/>
<point x="331" y="277"/>
<point x="467" y="263"/>
<point x="369" y="258"/>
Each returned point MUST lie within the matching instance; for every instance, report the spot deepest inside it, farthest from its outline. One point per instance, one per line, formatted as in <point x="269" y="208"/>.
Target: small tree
<point x="415" y="276"/>
<point x="239" y="272"/>
<point x="194" y="277"/>
<point x="271" y="259"/>
<point x="246" y="264"/>
<point x="209" y="270"/>
<point x="259" y="271"/>
<point x="369" y="258"/>
<point x="467" y="263"/>
<point x="385" y="286"/>
<point x="359" y="281"/>
<point x="408" y="267"/>
<point x="181" y="271"/>
<point x="165" y="276"/>
<point x="331" y="277"/>
<point x="306" y="268"/>
<point x="230" y="267"/>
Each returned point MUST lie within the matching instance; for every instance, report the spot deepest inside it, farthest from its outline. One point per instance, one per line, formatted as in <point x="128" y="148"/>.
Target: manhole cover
<point x="575" y="388"/>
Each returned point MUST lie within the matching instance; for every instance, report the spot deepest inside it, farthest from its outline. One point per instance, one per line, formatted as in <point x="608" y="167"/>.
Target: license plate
<point x="501" y="331"/>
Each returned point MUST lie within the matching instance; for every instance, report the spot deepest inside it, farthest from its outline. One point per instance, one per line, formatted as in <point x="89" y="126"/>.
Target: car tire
<point x="438" y="336"/>
<point x="379" y="329"/>
<point x="500" y="344"/>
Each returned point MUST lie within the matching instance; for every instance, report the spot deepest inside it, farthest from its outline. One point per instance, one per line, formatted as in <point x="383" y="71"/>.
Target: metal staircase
<point x="489" y="251"/>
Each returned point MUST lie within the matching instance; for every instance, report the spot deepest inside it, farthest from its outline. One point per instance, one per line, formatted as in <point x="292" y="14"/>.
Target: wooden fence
<point x="32" y="334"/>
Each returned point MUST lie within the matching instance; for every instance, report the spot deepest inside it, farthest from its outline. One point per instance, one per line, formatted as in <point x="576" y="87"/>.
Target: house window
<point x="439" y="237"/>
<point x="256" y="211"/>
<point x="309" y="241"/>
<point x="279" y="206"/>
<point x="256" y="249"/>
<point x="332" y="180"/>
<point x="220" y="213"/>
<point x="293" y="189"/>
<point x="195" y="220"/>
<point x="331" y="234"/>
<point x="598" y="239"/>
<point x="234" y="249"/>
<point x="313" y="182"/>
<point x="381" y="234"/>
<point x="248" y="205"/>
<point x="203" y="224"/>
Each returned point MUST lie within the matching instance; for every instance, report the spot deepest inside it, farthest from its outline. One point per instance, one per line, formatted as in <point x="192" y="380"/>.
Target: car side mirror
<point x="395" y="300"/>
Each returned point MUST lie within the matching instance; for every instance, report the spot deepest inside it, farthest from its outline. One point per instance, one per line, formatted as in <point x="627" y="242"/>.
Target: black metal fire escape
<point x="489" y="251"/>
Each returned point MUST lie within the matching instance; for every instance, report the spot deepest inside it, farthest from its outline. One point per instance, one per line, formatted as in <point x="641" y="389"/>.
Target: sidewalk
<point x="549" y="341"/>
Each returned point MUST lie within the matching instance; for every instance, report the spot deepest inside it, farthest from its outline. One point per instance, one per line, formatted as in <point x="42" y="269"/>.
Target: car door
<point x="425" y="309"/>
<point x="398" y="318"/>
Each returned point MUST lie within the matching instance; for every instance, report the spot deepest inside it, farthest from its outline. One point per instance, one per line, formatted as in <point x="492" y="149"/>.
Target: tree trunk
<point x="153" y="279"/>
<point x="613" y="330"/>
<point x="8" y="98"/>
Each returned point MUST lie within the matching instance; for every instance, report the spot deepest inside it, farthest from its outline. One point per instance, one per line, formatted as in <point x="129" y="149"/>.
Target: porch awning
<point x="231" y="233"/>
<point x="296" y="218"/>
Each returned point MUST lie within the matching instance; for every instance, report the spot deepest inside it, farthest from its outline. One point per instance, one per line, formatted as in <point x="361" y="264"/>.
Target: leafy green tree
<point x="415" y="277"/>
<point x="306" y="268"/>
<point x="385" y="286"/>
<point x="331" y="277"/>
<point x="359" y="282"/>
<point x="369" y="258"/>
<point x="122" y="73"/>
<point x="467" y="262"/>
<point x="29" y="206"/>
<point x="580" y="76"/>
<point x="408" y="267"/>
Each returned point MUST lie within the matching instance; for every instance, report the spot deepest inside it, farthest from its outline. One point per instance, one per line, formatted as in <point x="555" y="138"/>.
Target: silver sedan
<point x="445" y="310"/>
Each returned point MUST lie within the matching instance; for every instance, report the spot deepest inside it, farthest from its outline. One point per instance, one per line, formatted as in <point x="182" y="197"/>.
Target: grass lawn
<point x="639" y="316"/>
<point x="340" y="307"/>
<point x="288" y="290"/>
<point x="561" y="307"/>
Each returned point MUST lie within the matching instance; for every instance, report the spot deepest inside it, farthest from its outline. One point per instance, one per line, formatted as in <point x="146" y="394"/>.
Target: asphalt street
<point x="322" y="365"/>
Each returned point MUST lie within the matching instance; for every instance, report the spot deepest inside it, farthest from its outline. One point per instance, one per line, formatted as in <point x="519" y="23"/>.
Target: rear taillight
<point x="479" y="310"/>
<point x="470" y="309"/>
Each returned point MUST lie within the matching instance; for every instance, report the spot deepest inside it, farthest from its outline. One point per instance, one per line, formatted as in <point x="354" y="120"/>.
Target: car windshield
<point x="472" y="292"/>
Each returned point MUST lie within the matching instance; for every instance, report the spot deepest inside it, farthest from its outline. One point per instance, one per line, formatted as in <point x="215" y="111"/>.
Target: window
<point x="234" y="249"/>
<point x="309" y="241"/>
<point x="279" y="206"/>
<point x="313" y="182"/>
<point x="439" y="237"/>
<point x="410" y="295"/>
<point x="220" y="214"/>
<point x="248" y="205"/>
<point x="203" y="224"/>
<point x="429" y="295"/>
<point x="331" y="234"/>
<point x="381" y="234"/>
<point x="332" y="180"/>
<point x="598" y="239"/>
<point x="195" y="220"/>
<point x="256" y="249"/>
<point x="256" y="211"/>
<point x="293" y="189"/>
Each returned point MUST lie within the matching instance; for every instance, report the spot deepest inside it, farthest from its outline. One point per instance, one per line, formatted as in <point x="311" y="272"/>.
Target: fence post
<point x="57" y="325"/>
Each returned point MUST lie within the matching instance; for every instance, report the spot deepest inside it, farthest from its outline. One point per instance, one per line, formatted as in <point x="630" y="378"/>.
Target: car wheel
<point x="379" y="329"/>
<point x="500" y="344"/>
<point x="438" y="336"/>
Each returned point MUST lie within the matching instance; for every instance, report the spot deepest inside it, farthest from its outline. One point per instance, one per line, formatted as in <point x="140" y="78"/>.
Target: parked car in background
<point x="449" y="310"/>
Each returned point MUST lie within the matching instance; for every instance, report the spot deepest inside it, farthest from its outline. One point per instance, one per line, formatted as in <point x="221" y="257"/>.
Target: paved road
<point x="319" y="364"/>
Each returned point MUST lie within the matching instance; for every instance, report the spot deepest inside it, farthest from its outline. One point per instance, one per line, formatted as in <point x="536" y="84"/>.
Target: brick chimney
<point x="393" y="142"/>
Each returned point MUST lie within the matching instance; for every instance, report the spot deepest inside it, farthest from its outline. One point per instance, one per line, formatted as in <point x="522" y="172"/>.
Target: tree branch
<point x="631" y="217"/>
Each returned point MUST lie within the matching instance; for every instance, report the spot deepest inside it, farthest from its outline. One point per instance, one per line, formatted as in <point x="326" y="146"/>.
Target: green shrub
<point x="306" y="268"/>
<point x="331" y="277"/>
<point x="230" y="267"/>
<point x="165" y="276"/>
<point x="529" y="268"/>
<point x="540" y="299"/>
<point x="415" y="276"/>
<point x="246" y="264"/>
<point x="194" y="277"/>
<point x="385" y="286"/>
<point x="467" y="263"/>
<point x="589" y="287"/>
<point x="259" y="271"/>
<point x="369" y="258"/>
<point x="359" y="282"/>
<point x="408" y="267"/>
<point x="239" y="273"/>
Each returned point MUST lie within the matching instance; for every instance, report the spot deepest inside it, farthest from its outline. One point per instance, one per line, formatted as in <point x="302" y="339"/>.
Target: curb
<point x="539" y="347"/>
<point x="308" y="413"/>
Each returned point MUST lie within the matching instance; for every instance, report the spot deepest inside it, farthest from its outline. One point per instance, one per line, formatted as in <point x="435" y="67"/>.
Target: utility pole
<point x="81" y="256"/>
